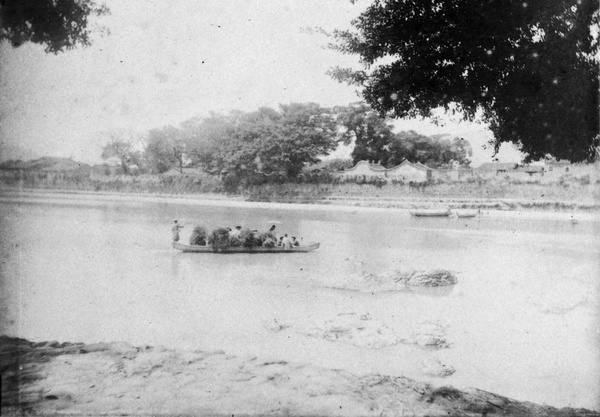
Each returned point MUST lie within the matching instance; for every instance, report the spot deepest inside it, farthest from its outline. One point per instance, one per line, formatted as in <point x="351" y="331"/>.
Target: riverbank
<point x="567" y="194"/>
<point x="50" y="378"/>
<point x="568" y="211"/>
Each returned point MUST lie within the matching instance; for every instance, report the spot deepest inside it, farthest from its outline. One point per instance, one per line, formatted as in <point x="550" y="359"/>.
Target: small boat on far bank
<point x="430" y="213"/>
<point x="465" y="213"/>
<point x="309" y="247"/>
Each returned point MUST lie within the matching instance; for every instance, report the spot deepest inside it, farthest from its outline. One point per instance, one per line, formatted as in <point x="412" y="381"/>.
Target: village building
<point x="409" y="172"/>
<point x="363" y="170"/>
<point x="405" y="172"/>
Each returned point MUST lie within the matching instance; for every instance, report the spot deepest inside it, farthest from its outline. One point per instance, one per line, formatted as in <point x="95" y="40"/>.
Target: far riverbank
<point x="561" y="210"/>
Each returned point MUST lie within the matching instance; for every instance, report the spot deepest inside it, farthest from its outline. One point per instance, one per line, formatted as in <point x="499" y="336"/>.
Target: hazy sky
<point x="164" y="62"/>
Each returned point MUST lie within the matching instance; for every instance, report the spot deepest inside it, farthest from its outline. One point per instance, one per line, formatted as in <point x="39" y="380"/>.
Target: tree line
<point x="278" y="144"/>
<point x="530" y="69"/>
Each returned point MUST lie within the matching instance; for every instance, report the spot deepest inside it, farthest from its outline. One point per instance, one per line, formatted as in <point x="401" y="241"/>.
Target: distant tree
<point x="336" y="164"/>
<point x="370" y="132"/>
<point x="286" y="141"/>
<point x="530" y="68"/>
<point x="121" y="145"/>
<point x="268" y="142"/>
<point x="434" y="152"/>
<point x="59" y="24"/>
<point x="165" y="149"/>
<point x="211" y="141"/>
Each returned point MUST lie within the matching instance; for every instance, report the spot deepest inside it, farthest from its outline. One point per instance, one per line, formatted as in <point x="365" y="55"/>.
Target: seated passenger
<point x="295" y="242"/>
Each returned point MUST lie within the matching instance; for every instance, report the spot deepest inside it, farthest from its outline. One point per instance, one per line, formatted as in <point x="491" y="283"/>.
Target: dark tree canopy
<point x="529" y="67"/>
<point x="59" y="24"/>
<point x="370" y="132"/>
<point x="435" y="152"/>
<point x="267" y="142"/>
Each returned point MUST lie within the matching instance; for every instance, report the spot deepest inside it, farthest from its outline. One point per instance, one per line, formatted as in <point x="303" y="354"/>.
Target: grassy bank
<point x="490" y="193"/>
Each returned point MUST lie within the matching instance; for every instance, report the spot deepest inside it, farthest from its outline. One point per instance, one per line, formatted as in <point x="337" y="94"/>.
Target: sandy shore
<point x="120" y="379"/>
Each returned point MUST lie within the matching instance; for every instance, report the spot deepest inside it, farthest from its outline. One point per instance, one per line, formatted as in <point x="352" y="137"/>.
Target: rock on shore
<point x="117" y="378"/>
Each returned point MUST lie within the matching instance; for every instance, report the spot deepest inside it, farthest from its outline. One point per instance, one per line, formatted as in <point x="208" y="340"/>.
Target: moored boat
<point x="465" y="213"/>
<point x="430" y="213"/>
<point x="242" y="249"/>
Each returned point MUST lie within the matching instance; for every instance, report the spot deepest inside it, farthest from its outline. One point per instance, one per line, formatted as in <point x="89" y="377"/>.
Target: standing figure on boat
<point x="271" y="233"/>
<point x="175" y="229"/>
<point x="286" y="243"/>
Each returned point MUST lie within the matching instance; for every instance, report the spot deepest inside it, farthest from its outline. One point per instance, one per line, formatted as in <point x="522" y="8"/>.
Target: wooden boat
<point x="465" y="213"/>
<point x="430" y="213"/>
<point x="241" y="249"/>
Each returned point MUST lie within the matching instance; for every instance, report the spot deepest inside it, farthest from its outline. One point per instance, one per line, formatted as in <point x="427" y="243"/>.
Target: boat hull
<point x="259" y="249"/>
<point x="430" y="213"/>
<point x="466" y="213"/>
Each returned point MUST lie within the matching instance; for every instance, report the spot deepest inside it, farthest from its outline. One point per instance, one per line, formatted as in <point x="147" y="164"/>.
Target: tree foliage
<point x="266" y="142"/>
<point x="435" y="152"/>
<point x="59" y="24"/>
<point x="121" y="145"/>
<point x="529" y="67"/>
<point x="370" y="132"/>
<point x="271" y="145"/>
<point x="165" y="148"/>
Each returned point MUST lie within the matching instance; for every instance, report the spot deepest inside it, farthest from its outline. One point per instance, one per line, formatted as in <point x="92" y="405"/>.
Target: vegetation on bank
<point x="320" y="188"/>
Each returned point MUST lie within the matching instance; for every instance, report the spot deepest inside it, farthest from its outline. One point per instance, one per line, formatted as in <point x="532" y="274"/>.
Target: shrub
<point x="247" y="238"/>
<point x="259" y="238"/>
<point x="235" y="242"/>
<point x="198" y="236"/>
<point x="269" y="242"/>
<point x="219" y="238"/>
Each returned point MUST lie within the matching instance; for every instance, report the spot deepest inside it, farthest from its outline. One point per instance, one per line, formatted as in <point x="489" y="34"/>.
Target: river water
<point x="523" y="320"/>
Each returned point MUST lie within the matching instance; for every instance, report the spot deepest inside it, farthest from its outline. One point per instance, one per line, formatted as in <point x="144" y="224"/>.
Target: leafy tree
<point x="211" y="141"/>
<point x="369" y="131"/>
<point x="59" y="24"/>
<point x="528" y="67"/>
<point x="289" y="139"/>
<point x="166" y="148"/>
<point x="266" y="142"/>
<point x="434" y="152"/>
<point x="122" y="146"/>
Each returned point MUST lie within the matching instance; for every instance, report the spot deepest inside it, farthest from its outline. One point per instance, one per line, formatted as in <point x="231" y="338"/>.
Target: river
<point x="523" y="320"/>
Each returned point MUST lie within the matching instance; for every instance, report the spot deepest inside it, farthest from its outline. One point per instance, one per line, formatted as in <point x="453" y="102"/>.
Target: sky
<point x="164" y="62"/>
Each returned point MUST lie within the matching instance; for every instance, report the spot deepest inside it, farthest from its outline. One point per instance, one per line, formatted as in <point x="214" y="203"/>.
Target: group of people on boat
<point x="284" y="241"/>
<point x="271" y="241"/>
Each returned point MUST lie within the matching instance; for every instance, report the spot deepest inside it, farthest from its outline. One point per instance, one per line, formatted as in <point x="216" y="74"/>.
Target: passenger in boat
<point x="280" y="241"/>
<point x="236" y="232"/>
<point x="175" y="229"/>
<point x="295" y="242"/>
<point x="286" y="243"/>
<point x="271" y="233"/>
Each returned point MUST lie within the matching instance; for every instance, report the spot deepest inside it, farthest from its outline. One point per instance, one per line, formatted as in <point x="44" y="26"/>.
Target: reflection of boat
<point x="430" y="213"/>
<point x="465" y="213"/>
<point x="241" y="249"/>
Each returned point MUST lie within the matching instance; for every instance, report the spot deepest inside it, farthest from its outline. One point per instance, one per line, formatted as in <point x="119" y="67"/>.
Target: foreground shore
<point x="52" y="378"/>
